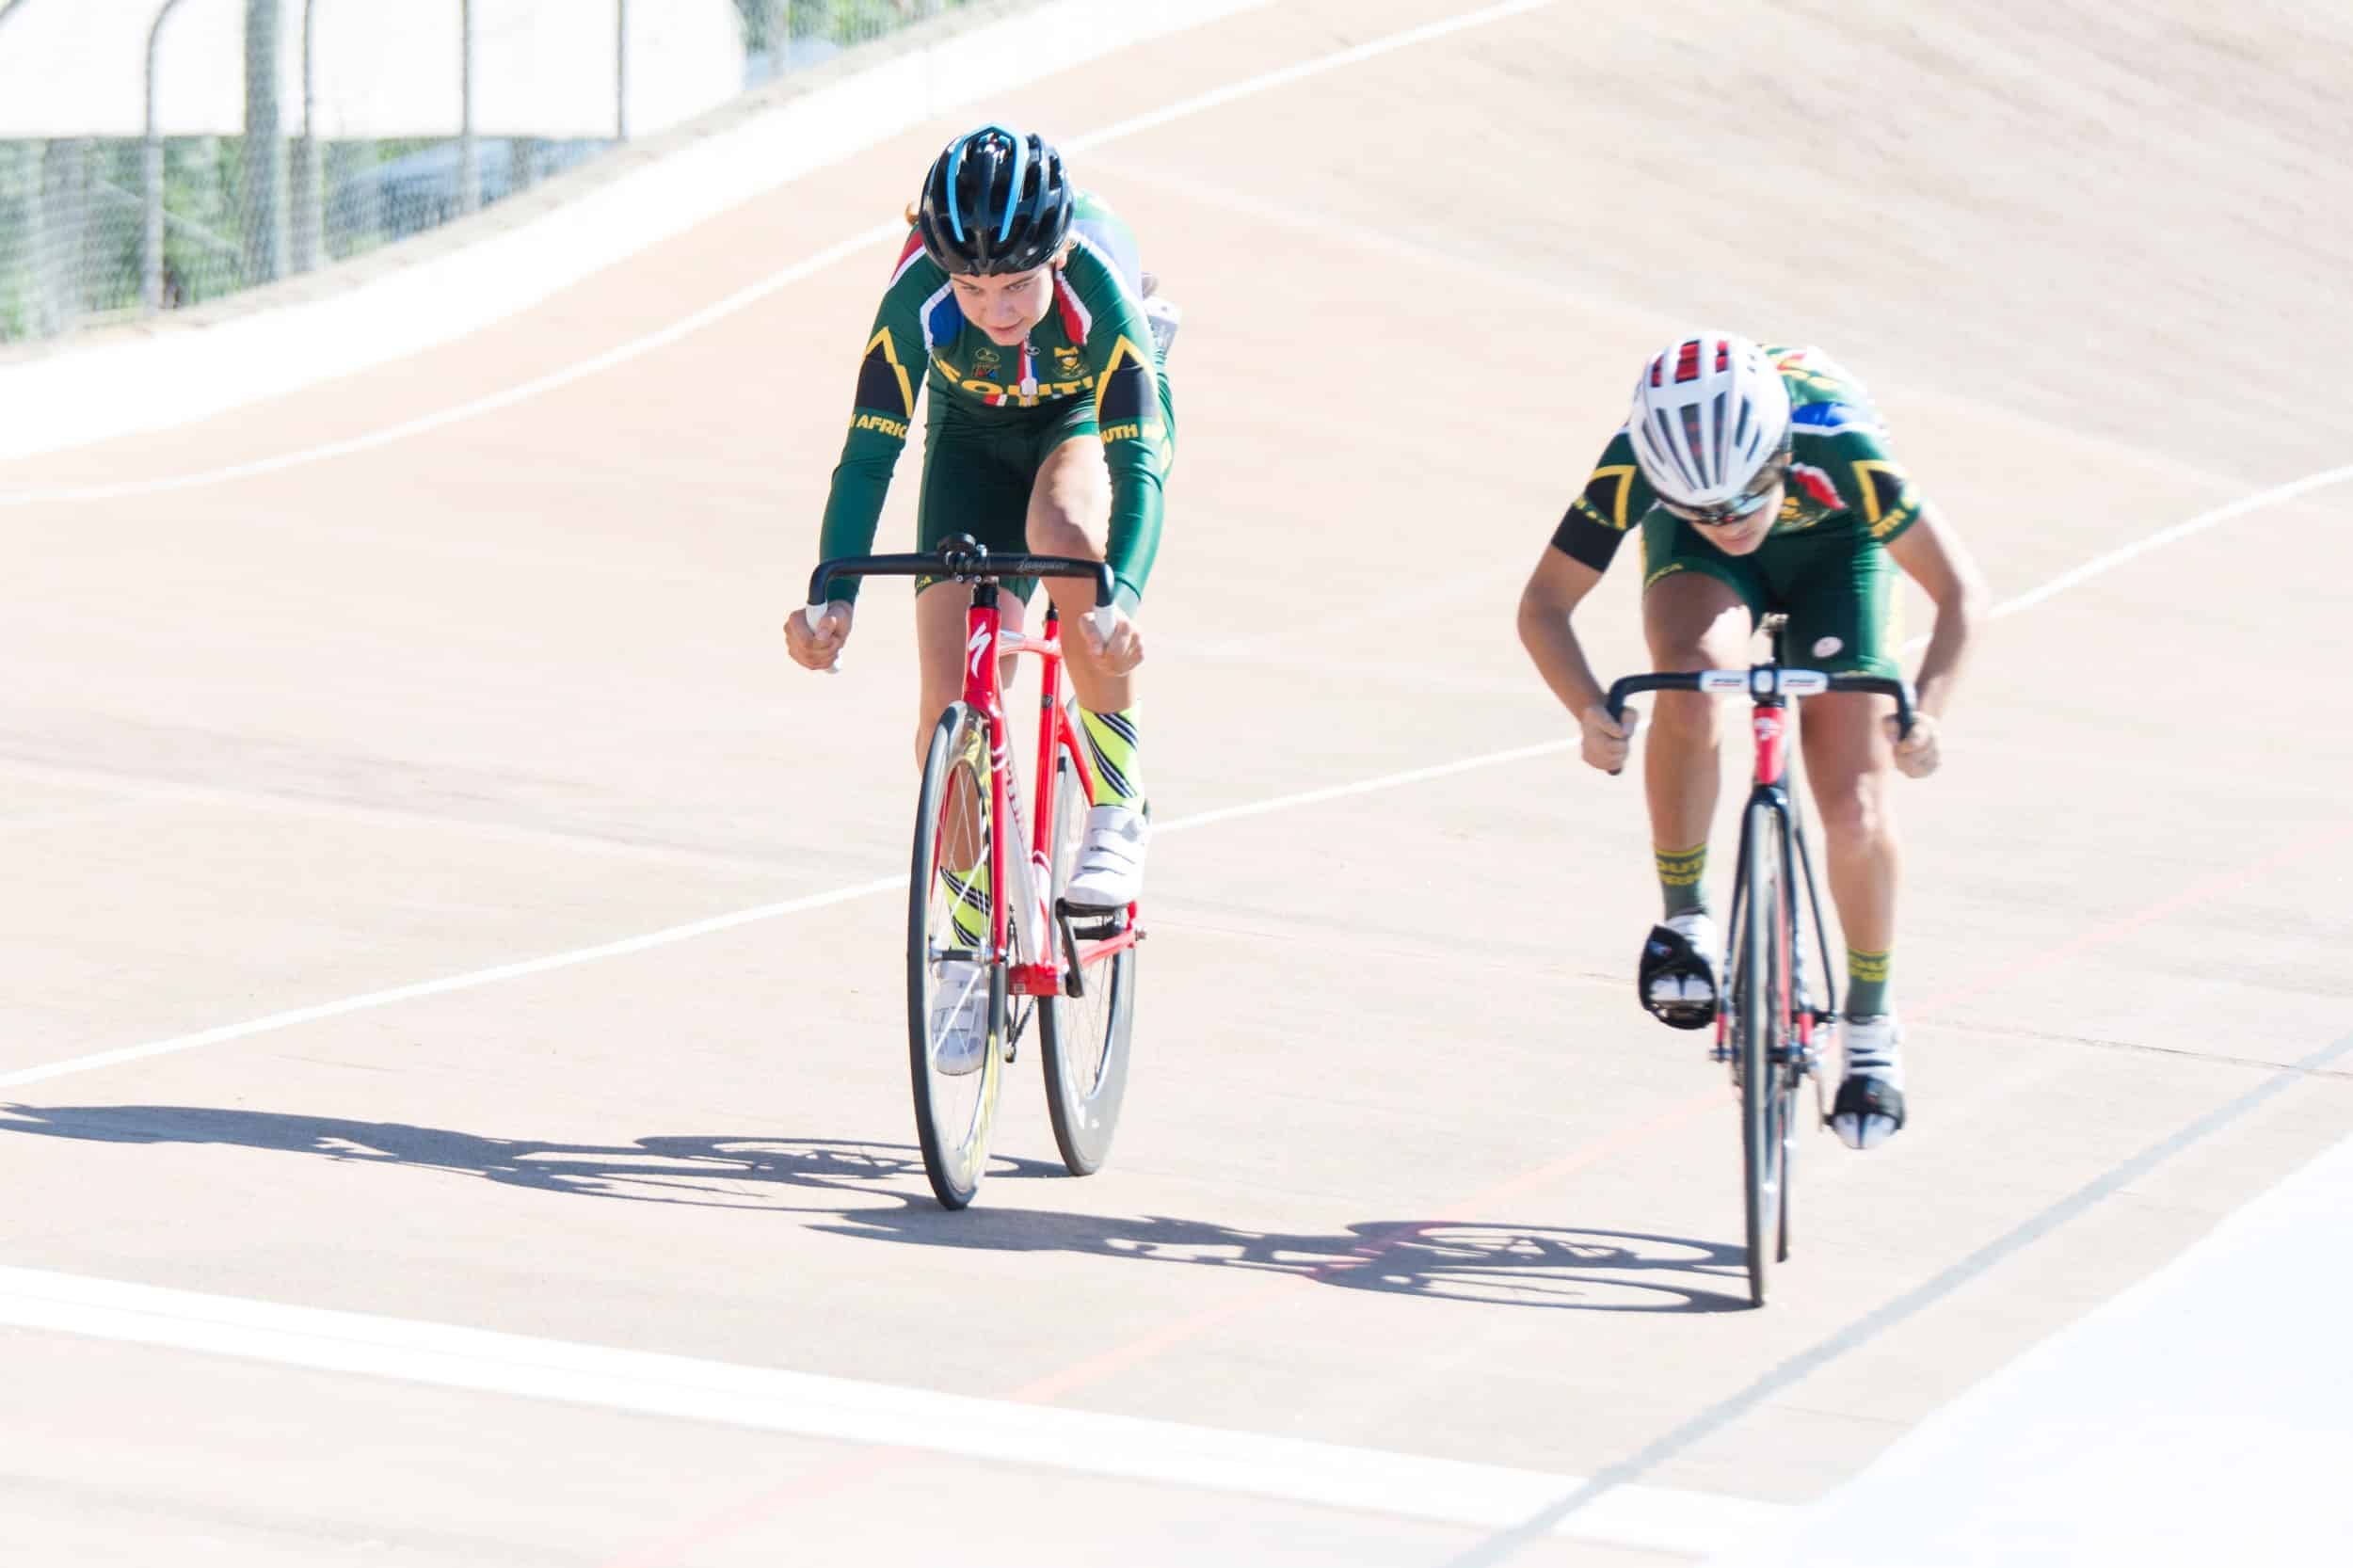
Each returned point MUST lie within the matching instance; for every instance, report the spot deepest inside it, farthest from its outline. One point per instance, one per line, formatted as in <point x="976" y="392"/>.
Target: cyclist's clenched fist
<point x="1118" y="653"/>
<point x="1607" y="740"/>
<point x="1918" y="754"/>
<point x="817" y="646"/>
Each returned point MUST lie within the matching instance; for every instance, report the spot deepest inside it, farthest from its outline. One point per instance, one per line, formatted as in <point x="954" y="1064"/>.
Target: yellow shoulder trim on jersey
<point x="1879" y="494"/>
<point x="882" y="340"/>
<point x="1104" y="383"/>
<point x="1623" y="474"/>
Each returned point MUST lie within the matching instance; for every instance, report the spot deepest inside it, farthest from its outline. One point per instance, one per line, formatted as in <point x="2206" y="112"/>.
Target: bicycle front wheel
<point x="955" y="983"/>
<point x="1760" y="1024"/>
<point x="1085" y="1036"/>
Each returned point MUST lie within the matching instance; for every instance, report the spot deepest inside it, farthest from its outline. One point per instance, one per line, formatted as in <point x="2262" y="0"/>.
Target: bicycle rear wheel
<point x="1759" y="1022"/>
<point x="947" y="970"/>
<point x="1085" y="1037"/>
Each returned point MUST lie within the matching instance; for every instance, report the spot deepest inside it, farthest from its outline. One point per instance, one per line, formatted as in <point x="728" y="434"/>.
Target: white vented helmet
<point x="1709" y="414"/>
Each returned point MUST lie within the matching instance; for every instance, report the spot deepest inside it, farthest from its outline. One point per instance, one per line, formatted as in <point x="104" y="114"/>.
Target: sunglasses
<point x="1744" y="505"/>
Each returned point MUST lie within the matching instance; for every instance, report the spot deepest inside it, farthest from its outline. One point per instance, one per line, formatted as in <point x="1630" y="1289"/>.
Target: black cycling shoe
<point x="1668" y="955"/>
<point x="1867" y="1112"/>
<point x="1869" y="1108"/>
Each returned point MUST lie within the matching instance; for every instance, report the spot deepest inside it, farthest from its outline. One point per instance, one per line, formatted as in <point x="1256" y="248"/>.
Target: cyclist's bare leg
<point x="1851" y="767"/>
<point x="1070" y="511"/>
<point x="1692" y="622"/>
<point x="940" y="611"/>
<point x="940" y="620"/>
<point x="1070" y="514"/>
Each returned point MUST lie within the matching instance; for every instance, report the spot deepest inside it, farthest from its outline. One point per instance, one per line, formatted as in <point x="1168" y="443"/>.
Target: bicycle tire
<point x="1788" y="1073"/>
<point x="1759" y="989"/>
<point x="955" y="1114"/>
<point x="1086" y="1038"/>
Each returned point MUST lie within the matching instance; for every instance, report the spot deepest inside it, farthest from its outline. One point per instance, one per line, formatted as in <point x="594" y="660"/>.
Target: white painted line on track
<point x="1362" y="787"/>
<point x="491" y="403"/>
<point x="1372" y="49"/>
<point x="2048" y="1462"/>
<point x="173" y="372"/>
<point x="864" y="242"/>
<point x="451" y="982"/>
<point x="811" y="1405"/>
<point x="2277" y="495"/>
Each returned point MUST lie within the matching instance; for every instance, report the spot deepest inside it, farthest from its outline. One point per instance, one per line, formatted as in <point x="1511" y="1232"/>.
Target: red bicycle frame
<point x="1768" y="720"/>
<point x="986" y="642"/>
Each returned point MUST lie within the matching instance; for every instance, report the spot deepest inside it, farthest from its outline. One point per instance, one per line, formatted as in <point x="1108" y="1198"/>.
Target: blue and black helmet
<point x="996" y="200"/>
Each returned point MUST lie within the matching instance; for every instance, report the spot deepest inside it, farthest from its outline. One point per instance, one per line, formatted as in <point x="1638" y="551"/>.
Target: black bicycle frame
<point x="1769" y="687"/>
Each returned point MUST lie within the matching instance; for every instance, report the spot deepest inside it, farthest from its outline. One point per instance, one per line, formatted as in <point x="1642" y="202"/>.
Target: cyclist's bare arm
<point x="1931" y="554"/>
<point x="1547" y="621"/>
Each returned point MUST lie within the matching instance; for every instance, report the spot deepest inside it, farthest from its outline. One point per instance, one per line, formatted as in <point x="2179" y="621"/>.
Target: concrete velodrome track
<point x="628" y="1258"/>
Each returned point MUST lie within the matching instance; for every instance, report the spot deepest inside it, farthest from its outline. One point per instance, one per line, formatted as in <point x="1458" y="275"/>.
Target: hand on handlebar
<point x="1918" y="754"/>
<point x="1120" y="651"/>
<point x="816" y="647"/>
<point x="1607" y="740"/>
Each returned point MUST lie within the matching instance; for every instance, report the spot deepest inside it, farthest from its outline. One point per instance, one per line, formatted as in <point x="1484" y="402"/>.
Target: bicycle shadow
<point x="877" y="1191"/>
<point x="749" y="1171"/>
<point x="1555" y="1266"/>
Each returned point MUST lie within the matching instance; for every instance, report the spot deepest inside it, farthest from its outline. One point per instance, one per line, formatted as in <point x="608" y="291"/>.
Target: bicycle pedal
<point x="1091" y="925"/>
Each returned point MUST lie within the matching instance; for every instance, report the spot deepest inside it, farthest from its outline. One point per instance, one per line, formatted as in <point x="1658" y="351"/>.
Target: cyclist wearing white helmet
<point x="1761" y="482"/>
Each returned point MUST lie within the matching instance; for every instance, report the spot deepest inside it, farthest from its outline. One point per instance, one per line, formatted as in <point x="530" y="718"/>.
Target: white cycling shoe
<point x="959" y="1021"/>
<point x="1870" y="1104"/>
<point x="1110" y="874"/>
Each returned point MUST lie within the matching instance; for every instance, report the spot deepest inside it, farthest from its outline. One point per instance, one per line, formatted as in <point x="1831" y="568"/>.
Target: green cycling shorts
<point x="978" y="474"/>
<point x="1836" y="585"/>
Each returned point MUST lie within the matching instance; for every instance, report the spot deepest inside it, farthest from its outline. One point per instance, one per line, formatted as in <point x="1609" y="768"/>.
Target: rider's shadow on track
<point x="875" y="1192"/>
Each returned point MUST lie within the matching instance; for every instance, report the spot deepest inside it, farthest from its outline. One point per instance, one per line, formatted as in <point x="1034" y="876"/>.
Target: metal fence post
<point x="59" y="287"/>
<point x="620" y="70"/>
<point x="308" y="199"/>
<point x="264" y="147"/>
<point x="152" y="193"/>
<point x="468" y="151"/>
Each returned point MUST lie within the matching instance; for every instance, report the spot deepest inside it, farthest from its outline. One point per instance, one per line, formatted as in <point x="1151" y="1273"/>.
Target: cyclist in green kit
<point x="1760" y="482"/>
<point x="1020" y="301"/>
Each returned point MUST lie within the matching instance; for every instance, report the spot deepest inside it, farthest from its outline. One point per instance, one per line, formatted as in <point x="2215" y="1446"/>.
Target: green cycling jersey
<point x="1088" y="367"/>
<point x="1842" y="477"/>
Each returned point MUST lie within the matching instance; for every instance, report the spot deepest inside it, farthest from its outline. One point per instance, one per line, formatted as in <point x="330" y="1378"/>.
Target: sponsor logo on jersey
<point x="1046" y="391"/>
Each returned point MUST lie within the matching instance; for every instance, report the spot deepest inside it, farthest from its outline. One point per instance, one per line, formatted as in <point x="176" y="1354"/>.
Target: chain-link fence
<point x="104" y="227"/>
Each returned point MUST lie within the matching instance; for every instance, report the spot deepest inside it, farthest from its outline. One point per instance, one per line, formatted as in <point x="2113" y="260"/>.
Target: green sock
<point x="1867" y="982"/>
<point x="1679" y="873"/>
<point x="1111" y="749"/>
